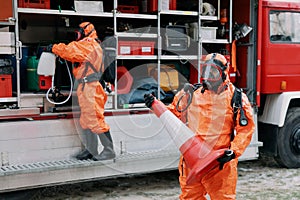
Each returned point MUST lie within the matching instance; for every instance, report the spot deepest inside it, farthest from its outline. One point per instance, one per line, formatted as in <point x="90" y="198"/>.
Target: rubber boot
<point x="91" y="146"/>
<point x="84" y="155"/>
<point x="108" y="149"/>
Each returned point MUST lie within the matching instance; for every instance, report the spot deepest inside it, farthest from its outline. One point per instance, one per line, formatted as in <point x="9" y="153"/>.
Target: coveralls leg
<point x="218" y="184"/>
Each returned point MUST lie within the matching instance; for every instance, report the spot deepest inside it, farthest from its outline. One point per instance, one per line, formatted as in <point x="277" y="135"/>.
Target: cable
<point x="188" y="90"/>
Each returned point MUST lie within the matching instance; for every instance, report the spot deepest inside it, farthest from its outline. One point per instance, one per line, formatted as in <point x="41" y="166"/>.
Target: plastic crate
<point x="166" y="5"/>
<point x="128" y="48"/>
<point x="44" y="4"/>
<point x="208" y="33"/>
<point x="5" y="85"/>
<point x="136" y="47"/>
<point x="128" y="9"/>
<point x="88" y="6"/>
<point x="146" y="48"/>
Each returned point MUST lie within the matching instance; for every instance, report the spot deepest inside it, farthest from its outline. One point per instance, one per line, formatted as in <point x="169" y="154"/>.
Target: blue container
<point x="23" y="66"/>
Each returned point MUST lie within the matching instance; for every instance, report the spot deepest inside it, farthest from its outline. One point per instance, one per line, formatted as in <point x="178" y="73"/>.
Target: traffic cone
<point x="198" y="155"/>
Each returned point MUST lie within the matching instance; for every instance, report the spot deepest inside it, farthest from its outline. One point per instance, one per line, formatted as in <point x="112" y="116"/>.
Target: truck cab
<point x="277" y="80"/>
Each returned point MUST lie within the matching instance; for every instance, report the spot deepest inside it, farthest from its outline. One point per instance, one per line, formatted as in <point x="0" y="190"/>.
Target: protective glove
<point x="149" y="99"/>
<point x="228" y="156"/>
<point x="48" y="48"/>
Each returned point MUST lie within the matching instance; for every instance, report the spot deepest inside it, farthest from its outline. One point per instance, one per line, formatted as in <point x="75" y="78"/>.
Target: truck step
<point x="74" y="163"/>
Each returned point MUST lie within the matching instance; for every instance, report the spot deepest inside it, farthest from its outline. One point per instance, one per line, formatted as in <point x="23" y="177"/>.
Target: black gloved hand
<point x="228" y="156"/>
<point x="149" y="99"/>
<point x="48" y="48"/>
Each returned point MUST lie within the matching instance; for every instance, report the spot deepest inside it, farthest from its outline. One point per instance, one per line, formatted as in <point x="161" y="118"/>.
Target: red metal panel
<point x="287" y="4"/>
<point x="258" y="50"/>
<point x="241" y="14"/>
<point x="6" y="10"/>
<point x="280" y="62"/>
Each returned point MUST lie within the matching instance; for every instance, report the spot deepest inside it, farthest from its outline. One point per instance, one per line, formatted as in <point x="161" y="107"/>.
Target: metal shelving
<point x="114" y="15"/>
<point x="63" y="12"/>
<point x="10" y="49"/>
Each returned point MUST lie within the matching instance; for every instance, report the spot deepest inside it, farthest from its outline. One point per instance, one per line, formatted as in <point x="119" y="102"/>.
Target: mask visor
<point x="210" y="72"/>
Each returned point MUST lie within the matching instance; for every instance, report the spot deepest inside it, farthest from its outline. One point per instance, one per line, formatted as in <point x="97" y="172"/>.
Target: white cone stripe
<point x="178" y="131"/>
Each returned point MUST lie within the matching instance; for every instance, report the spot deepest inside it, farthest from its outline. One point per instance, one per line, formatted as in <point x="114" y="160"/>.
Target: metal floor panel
<point x="73" y="163"/>
<point x="41" y="174"/>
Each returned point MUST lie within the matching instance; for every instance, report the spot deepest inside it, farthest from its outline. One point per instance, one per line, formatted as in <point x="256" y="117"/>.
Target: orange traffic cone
<point x="198" y="155"/>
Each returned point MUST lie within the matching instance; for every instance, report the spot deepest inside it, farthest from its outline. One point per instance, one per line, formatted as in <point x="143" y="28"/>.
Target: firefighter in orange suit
<point x="86" y="52"/>
<point x="211" y="117"/>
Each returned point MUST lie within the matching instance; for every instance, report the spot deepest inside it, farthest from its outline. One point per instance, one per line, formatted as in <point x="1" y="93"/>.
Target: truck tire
<point x="288" y="140"/>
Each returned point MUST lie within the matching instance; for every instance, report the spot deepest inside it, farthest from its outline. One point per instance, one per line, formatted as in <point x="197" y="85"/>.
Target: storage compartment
<point x="88" y="6"/>
<point x="45" y="4"/>
<point x="208" y="33"/>
<point x="5" y="85"/>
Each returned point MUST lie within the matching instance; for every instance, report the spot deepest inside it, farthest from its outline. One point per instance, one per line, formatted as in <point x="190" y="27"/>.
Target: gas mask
<point x="79" y="34"/>
<point x="212" y="74"/>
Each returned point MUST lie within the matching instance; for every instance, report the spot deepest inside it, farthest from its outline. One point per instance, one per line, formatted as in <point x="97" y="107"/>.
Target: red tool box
<point x="153" y="5"/>
<point x="128" y="9"/>
<point x="136" y="47"/>
<point x="44" y="4"/>
<point x="5" y="85"/>
<point x="45" y="82"/>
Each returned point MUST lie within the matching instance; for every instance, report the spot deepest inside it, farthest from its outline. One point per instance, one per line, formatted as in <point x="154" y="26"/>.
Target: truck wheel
<point x="288" y="140"/>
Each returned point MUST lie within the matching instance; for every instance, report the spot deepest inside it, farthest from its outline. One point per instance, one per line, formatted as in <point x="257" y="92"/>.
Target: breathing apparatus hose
<point x="188" y="90"/>
<point x="53" y="89"/>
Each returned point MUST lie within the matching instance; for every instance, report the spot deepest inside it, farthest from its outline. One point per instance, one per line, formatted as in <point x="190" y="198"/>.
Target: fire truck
<point x="40" y="135"/>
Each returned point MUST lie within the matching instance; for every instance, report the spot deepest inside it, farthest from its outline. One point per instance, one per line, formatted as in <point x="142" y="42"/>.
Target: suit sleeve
<point x="73" y="52"/>
<point x="243" y="133"/>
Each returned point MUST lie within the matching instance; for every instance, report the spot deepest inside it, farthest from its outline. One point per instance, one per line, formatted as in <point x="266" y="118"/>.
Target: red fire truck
<point x="39" y="139"/>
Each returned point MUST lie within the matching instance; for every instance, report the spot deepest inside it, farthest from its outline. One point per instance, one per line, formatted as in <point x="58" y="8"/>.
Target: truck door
<point x="280" y="45"/>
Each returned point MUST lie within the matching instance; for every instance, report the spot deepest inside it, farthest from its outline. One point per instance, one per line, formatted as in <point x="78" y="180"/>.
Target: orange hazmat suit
<point x="210" y="117"/>
<point x="91" y="95"/>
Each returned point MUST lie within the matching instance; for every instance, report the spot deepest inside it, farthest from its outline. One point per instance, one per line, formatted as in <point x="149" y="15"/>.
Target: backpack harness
<point x="96" y="76"/>
<point x="236" y="102"/>
<point x="90" y="78"/>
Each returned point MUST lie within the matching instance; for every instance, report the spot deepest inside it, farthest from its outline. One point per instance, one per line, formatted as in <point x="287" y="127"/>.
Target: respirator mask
<point x="79" y="34"/>
<point x="212" y="74"/>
